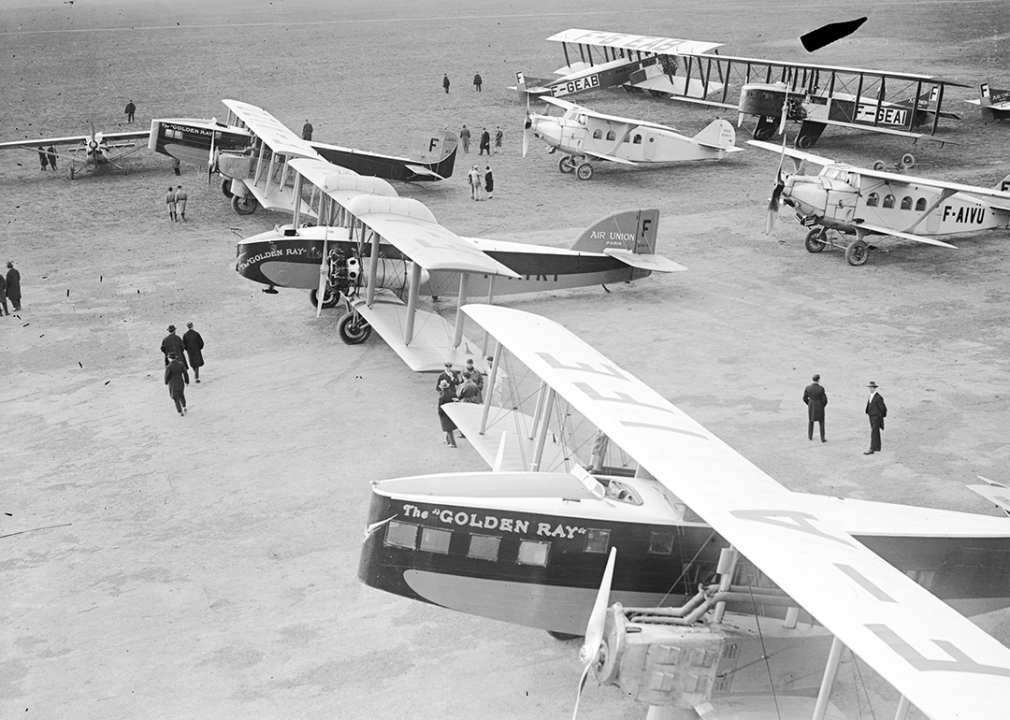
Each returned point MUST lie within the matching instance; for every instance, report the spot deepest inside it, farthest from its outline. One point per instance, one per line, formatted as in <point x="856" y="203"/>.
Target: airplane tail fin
<point x="718" y="134"/>
<point x="1004" y="184"/>
<point x="633" y="230"/>
<point x="985" y="102"/>
<point x="437" y="150"/>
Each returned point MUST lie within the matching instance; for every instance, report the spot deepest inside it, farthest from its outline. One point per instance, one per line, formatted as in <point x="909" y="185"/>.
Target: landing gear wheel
<point x="908" y="161"/>
<point x="584" y="171"/>
<point x="857" y="253"/>
<point x="879" y="165"/>
<point x="330" y="298"/>
<point x="765" y="134"/>
<point x="562" y="636"/>
<point x="226" y="188"/>
<point x="244" y="204"/>
<point x="566" y="164"/>
<point x="353" y="329"/>
<point x="657" y="93"/>
<point x="803" y="142"/>
<point x="816" y="240"/>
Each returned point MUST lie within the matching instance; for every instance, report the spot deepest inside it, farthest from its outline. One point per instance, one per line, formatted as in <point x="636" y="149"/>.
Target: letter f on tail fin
<point x="985" y="102"/>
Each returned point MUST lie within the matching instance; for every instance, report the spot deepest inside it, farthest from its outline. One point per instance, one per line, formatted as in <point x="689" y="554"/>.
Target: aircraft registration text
<point x="577" y="85"/>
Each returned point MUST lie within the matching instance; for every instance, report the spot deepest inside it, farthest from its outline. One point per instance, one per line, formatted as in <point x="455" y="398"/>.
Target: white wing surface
<point x="75" y="139"/>
<point x="277" y="136"/>
<point x="940" y="661"/>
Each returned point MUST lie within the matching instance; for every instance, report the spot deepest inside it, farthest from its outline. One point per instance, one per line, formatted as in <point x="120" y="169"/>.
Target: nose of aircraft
<point x="548" y="129"/>
<point x="806" y="194"/>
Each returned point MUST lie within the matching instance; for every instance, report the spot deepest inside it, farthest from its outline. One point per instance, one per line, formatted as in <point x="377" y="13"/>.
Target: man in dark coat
<point x="489" y="182"/>
<point x="13" y="286"/>
<point x="193" y="343"/>
<point x="877" y="411"/>
<point x="446" y="395"/>
<point x="177" y="379"/>
<point x="43" y="158"/>
<point x="449" y="376"/>
<point x="464" y="137"/>
<point x="51" y="153"/>
<point x="307" y="131"/>
<point x="445" y="83"/>
<point x="477" y="82"/>
<point x="485" y="142"/>
<point x="3" y="297"/>
<point x="130" y="110"/>
<point x="815" y="399"/>
<point x="172" y="345"/>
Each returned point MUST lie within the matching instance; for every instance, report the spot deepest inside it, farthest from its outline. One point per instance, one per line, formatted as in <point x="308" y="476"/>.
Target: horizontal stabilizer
<point x="642" y="261"/>
<point x="421" y="170"/>
<point x="907" y="236"/>
<point x="993" y="491"/>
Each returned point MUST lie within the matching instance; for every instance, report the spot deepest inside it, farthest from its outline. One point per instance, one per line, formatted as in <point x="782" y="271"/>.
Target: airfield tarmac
<point x="155" y="566"/>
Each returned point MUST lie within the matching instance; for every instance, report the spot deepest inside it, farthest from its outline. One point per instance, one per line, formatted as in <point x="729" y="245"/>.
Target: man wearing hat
<point x="193" y="342"/>
<point x="448" y="375"/>
<point x="815" y="399"/>
<point x="173" y="344"/>
<point x="177" y="379"/>
<point x="877" y="411"/>
<point x="13" y="290"/>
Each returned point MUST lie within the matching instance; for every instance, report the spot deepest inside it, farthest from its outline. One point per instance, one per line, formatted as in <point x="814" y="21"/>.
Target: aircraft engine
<point x="390" y="274"/>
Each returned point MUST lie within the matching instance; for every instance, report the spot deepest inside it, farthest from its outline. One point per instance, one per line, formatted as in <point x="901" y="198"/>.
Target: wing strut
<point x="489" y="386"/>
<point x="538" y="450"/>
<point x="412" y="291"/>
<point x="828" y="681"/>
<point x="373" y="268"/>
<point x="490" y="301"/>
<point x="457" y="338"/>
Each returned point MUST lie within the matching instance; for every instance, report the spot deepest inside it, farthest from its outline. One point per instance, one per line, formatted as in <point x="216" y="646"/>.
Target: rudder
<point x="633" y="230"/>
<point x="719" y="134"/>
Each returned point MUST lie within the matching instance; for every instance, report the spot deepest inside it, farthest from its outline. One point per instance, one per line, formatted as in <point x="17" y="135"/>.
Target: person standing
<point x="877" y="411"/>
<point x="177" y="379"/>
<point x="180" y="202"/>
<point x="51" y="153"/>
<point x="815" y="399"/>
<point x="478" y="378"/>
<point x="176" y="167"/>
<point x="449" y="376"/>
<point x="498" y="135"/>
<point x="193" y="342"/>
<point x="307" y="131"/>
<point x="477" y="82"/>
<point x="43" y="158"/>
<point x="489" y="182"/>
<point x="130" y="110"/>
<point x="172" y="345"/>
<point x="13" y="286"/>
<point x="170" y="201"/>
<point x="445" y="83"/>
<point x="475" y="182"/>
<point x="485" y="142"/>
<point x="464" y="137"/>
<point x="468" y="392"/>
<point x="3" y="297"/>
<point x="446" y="395"/>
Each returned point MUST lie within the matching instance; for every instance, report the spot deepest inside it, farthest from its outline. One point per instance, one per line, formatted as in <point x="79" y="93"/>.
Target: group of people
<point x="481" y="183"/>
<point x="176" y="200"/>
<point x="485" y="140"/>
<point x="815" y="398"/>
<point x="47" y="158"/>
<point x="10" y="289"/>
<point x="467" y="387"/>
<point x="477" y="82"/>
<point x="176" y="349"/>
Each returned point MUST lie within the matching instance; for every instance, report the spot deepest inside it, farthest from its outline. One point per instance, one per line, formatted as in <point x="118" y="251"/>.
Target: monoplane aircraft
<point x="844" y="200"/>
<point x="581" y="133"/>
<point x="377" y="253"/>
<point x="639" y="62"/>
<point x="995" y="104"/>
<point x="89" y="152"/>
<point x="725" y="582"/>
<point x="433" y="157"/>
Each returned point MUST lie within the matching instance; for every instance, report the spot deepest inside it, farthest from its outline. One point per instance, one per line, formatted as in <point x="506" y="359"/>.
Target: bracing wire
<point x="764" y="652"/>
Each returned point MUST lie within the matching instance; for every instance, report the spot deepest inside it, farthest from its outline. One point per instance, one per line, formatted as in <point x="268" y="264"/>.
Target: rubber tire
<point x="351" y="336"/>
<point x="803" y="142"/>
<point x="857" y="253"/>
<point x="584" y="171"/>
<point x="330" y="298"/>
<point x="879" y="165"/>
<point x="226" y="188"/>
<point x="765" y="134"/>
<point x="814" y="242"/>
<point x="244" y="204"/>
<point x="657" y="93"/>
<point x="908" y="161"/>
<point x="562" y="637"/>
<point x="566" y="164"/>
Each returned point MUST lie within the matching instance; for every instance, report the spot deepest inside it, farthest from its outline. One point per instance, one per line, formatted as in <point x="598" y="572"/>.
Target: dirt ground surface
<point x="153" y="566"/>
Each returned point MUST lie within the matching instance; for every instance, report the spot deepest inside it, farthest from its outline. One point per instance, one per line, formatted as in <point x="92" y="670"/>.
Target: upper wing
<point x="939" y="660"/>
<point x="896" y="179"/>
<point x="277" y="136"/>
<point x="76" y="139"/>
<point x="638" y="43"/>
<point x="791" y="152"/>
<point x="613" y="118"/>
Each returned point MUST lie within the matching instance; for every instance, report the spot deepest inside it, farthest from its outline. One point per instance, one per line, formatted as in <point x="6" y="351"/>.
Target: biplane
<point x="432" y="158"/>
<point x="197" y="142"/>
<point x="853" y="202"/>
<point x="87" y="152"/>
<point x="636" y="62"/>
<point x="580" y="133"/>
<point x="994" y="104"/>
<point x="719" y="581"/>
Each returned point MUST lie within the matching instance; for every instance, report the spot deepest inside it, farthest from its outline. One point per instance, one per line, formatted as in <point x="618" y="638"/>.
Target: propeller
<point x="211" y="158"/>
<point x="773" y="203"/>
<point x="92" y="141"/>
<point x="324" y="273"/>
<point x="526" y="127"/>
<point x="589" y="654"/>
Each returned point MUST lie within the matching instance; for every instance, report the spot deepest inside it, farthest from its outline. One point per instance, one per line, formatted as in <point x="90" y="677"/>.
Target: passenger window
<point x="920" y="204"/>
<point x="872" y="200"/>
<point x="484" y="547"/>
<point x="611" y="135"/>
<point x="661" y="543"/>
<point x="597" y="541"/>
<point x="401" y="535"/>
<point x="533" y="553"/>
<point x="906" y="203"/>
<point x="435" y="540"/>
<point x="597" y="134"/>
<point x="637" y="140"/>
<point x="889" y="201"/>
